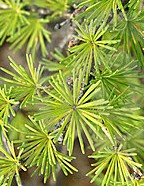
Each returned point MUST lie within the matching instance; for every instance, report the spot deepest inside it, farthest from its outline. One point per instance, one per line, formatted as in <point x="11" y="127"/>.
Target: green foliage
<point x="40" y="150"/>
<point x="23" y="27"/>
<point x="119" y="77"/>
<point x="135" y="139"/>
<point x="115" y="163"/>
<point x="123" y="115"/>
<point x="59" y="62"/>
<point x="33" y="33"/>
<point x="74" y="108"/>
<point x="6" y="103"/>
<point x="102" y="9"/>
<point x="90" y="46"/>
<point x="130" y="33"/>
<point x="57" y="6"/>
<point x="10" y="165"/>
<point x="12" y="19"/>
<point x="94" y="91"/>
<point x="23" y="80"/>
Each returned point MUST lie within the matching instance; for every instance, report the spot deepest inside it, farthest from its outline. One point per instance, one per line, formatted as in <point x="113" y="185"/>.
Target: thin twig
<point x="4" y="140"/>
<point x="5" y="143"/>
<point x="16" y="109"/>
<point x="141" y="6"/>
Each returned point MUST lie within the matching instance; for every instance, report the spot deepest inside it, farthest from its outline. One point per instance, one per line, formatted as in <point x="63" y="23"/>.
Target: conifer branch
<point x="92" y="94"/>
<point x="5" y="140"/>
